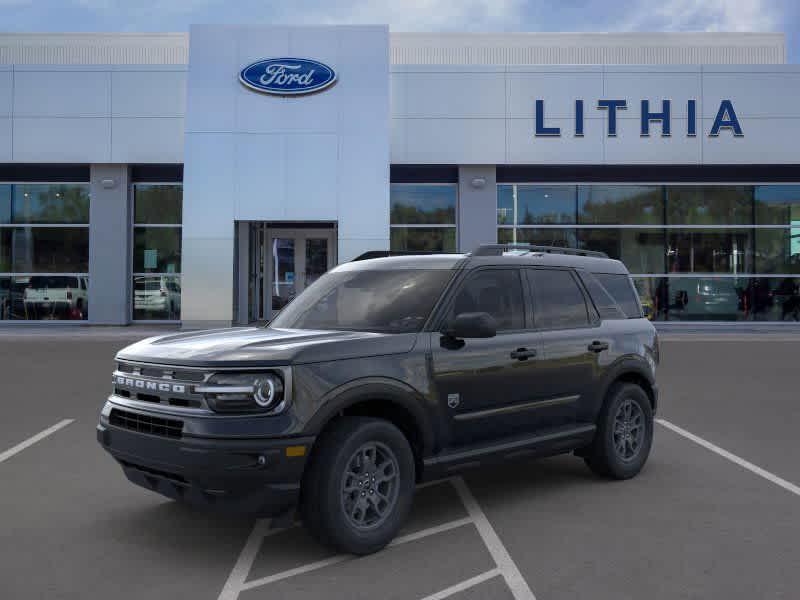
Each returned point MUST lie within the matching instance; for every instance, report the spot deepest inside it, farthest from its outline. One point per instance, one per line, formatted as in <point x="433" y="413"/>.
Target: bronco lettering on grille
<point x="156" y="386"/>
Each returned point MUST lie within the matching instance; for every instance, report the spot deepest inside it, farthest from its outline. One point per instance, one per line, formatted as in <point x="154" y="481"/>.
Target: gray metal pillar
<point x="243" y="272"/>
<point x="109" y="243"/>
<point x="477" y="206"/>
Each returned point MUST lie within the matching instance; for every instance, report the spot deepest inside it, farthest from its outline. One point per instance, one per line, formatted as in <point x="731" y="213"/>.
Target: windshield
<point x="391" y="301"/>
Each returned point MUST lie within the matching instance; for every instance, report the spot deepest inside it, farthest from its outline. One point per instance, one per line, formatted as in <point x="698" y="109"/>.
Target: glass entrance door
<point x="295" y="258"/>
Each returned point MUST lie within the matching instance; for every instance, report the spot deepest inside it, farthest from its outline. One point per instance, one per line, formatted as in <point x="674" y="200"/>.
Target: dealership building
<point x="208" y="177"/>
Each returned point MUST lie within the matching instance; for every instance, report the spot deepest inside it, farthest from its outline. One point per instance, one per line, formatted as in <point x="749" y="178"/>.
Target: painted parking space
<point x="447" y="543"/>
<point x="694" y="524"/>
<point x="739" y="394"/>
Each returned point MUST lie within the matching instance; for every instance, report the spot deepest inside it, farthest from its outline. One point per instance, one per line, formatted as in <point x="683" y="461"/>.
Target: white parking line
<point x="232" y="587"/>
<point x="333" y="560"/>
<point x="771" y="477"/>
<point x="464" y="585"/>
<point x="33" y="439"/>
<point x="505" y="564"/>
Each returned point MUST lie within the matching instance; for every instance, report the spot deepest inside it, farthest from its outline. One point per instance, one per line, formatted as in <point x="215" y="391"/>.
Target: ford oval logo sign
<point x="287" y="76"/>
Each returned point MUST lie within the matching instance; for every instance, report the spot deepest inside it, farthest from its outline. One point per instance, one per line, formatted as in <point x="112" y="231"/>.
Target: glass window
<point x="44" y="297"/>
<point x="563" y="238"/>
<point x="158" y="204"/>
<point x="44" y="249"/>
<point x="395" y="301"/>
<point x="424" y="239"/>
<point x="505" y="205"/>
<point x="535" y="204"/>
<point x="652" y="293"/>
<point x="497" y="292"/>
<point x="558" y="302"/>
<point x="157" y="214"/>
<point x="778" y="250"/>
<point x="43" y="264"/>
<point x="606" y="306"/>
<point x="538" y="204"/>
<point x="36" y="204"/>
<point x="709" y="205"/>
<point x="621" y="289"/>
<point x="776" y="299"/>
<point x="423" y="204"/>
<point x="621" y="204"/>
<point x="5" y="203"/>
<point x="156" y="297"/>
<point x="431" y="205"/>
<point x="157" y="250"/>
<point x="708" y="299"/>
<point x="710" y="251"/>
<point x="642" y="250"/>
<point x="777" y="205"/>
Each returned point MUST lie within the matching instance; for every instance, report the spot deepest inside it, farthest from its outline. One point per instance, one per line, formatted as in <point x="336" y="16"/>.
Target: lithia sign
<point x="725" y="120"/>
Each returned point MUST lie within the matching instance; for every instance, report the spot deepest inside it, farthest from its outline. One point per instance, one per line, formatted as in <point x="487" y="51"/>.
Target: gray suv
<point x="387" y="372"/>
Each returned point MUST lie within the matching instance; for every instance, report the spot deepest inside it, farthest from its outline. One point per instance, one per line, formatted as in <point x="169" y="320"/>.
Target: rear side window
<point x="621" y="289"/>
<point x="558" y="302"/>
<point x="497" y="292"/>
<point x="606" y="305"/>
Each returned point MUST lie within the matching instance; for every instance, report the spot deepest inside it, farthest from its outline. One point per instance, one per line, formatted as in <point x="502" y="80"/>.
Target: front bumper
<point x="254" y="476"/>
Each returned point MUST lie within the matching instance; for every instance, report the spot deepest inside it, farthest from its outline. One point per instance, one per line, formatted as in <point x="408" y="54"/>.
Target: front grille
<point x="171" y="428"/>
<point x="159" y="385"/>
<point x="162" y="372"/>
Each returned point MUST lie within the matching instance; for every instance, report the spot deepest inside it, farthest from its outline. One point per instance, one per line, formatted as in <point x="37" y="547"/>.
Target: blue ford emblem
<point x="287" y="76"/>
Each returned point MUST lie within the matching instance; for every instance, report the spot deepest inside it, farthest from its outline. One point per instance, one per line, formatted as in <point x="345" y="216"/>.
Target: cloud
<point x="705" y="15"/>
<point x="415" y="15"/>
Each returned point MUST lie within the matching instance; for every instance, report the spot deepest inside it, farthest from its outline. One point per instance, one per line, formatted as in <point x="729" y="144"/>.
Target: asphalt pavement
<point x="715" y="513"/>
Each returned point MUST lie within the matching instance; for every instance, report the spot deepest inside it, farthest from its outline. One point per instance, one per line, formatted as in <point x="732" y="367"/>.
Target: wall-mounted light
<point x="478" y="182"/>
<point x="109" y="183"/>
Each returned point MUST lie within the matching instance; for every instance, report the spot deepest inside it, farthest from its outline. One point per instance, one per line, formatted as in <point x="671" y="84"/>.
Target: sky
<point x="413" y="15"/>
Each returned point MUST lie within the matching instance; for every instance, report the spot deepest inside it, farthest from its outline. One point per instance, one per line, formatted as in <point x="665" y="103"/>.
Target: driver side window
<point x="497" y="292"/>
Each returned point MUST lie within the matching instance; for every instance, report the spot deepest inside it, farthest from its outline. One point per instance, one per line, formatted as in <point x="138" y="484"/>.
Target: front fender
<point x="390" y="390"/>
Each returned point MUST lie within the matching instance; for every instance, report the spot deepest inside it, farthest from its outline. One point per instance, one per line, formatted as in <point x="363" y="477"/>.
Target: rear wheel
<point x="359" y="485"/>
<point x="624" y="433"/>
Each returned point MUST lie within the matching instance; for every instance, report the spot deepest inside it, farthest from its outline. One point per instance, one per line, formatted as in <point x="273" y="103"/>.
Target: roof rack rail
<point x="369" y="254"/>
<point x="499" y="249"/>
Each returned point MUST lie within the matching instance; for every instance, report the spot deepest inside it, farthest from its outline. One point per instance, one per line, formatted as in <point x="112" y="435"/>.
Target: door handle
<point x="523" y="354"/>
<point x="598" y="346"/>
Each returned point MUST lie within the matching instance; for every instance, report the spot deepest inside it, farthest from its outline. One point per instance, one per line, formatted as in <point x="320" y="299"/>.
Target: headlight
<point x="244" y="392"/>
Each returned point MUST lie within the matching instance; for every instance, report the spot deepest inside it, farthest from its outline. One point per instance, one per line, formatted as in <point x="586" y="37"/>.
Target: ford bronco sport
<point x="388" y="372"/>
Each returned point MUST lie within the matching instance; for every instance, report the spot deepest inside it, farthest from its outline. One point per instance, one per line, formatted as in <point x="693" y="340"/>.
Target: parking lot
<point x="715" y="513"/>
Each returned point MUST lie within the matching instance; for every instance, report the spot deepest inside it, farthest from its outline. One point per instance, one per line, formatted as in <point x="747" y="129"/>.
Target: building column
<point x="477" y="206"/>
<point x="109" y="245"/>
<point x="242" y="272"/>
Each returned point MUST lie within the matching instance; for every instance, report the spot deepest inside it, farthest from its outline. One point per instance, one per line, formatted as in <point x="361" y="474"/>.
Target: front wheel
<point x="359" y="486"/>
<point x="624" y="433"/>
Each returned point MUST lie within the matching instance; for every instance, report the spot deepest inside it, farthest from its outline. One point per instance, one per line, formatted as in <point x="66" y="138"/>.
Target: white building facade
<point x="142" y="178"/>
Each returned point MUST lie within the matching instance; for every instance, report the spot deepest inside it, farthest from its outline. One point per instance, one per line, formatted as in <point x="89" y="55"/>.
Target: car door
<point x="482" y="383"/>
<point x="571" y="344"/>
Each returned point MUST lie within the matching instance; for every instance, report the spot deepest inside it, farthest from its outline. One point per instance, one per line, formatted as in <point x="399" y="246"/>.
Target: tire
<point x="620" y="455"/>
<point x="333" y="502"/>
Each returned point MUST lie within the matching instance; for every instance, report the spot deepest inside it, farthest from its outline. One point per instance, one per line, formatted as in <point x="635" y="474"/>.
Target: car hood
<point x="258" y="346"/>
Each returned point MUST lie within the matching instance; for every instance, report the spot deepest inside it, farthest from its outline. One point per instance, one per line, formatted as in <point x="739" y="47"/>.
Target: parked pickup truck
<point x="56" y="296"/>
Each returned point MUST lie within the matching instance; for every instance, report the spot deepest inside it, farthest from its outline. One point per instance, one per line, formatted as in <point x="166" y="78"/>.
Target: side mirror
<point x="647" y="311"/>
<point x="471" y="325"/>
